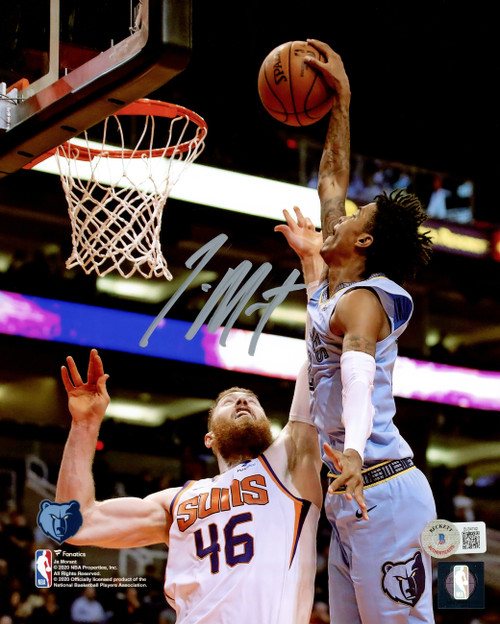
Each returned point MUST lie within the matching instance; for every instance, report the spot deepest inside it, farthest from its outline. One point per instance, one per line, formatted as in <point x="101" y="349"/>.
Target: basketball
<point x="290" y="90"/>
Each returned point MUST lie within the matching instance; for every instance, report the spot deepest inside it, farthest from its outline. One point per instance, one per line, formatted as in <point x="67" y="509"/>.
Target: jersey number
<point x="242" y="542"/>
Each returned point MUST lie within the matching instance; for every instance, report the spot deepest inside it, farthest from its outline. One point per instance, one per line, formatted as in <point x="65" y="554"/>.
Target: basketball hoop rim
<point x="144" y="107"/>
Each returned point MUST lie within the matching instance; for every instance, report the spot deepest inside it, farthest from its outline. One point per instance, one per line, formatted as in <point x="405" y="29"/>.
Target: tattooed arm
<point x="333" y="178"/>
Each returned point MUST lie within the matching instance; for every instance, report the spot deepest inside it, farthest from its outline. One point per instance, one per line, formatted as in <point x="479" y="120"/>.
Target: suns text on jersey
<point x="252" y="490"/>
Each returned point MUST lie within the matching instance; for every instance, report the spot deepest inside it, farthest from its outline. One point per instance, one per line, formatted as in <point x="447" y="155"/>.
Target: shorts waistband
<point x="381" y="472"/>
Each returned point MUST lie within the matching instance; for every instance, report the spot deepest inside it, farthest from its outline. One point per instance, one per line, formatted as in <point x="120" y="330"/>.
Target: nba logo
<point x="43" y="568"/>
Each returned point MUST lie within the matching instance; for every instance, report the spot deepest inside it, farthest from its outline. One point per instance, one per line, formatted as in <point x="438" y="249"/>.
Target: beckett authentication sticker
<point x="440" y="539"/>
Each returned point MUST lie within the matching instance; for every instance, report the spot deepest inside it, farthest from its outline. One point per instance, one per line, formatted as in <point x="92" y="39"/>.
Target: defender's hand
<point x="87" y="401"/>
<point x="301" y="235"/>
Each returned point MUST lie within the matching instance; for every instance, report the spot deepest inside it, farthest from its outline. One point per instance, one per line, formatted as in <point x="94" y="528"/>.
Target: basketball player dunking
<point x="357" y="310"/>
<point x="242" y="545"/>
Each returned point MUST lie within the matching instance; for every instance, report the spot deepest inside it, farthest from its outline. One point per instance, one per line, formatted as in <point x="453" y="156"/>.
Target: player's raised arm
<point x="300" y="438"/>
<point x="115" y="523"/>
<point x="333" y="178"/>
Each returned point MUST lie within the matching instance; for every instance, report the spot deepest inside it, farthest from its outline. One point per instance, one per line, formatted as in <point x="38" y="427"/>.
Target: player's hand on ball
<point x="301" y="235"/>
<point x="349" y="465"/>
<point x="290" y="89"/>
<point x="332" y="69"/>
<point x="87" y="401"/>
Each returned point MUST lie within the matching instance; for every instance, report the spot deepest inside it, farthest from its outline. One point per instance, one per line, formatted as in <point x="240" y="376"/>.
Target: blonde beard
<point x="242" y="437"/>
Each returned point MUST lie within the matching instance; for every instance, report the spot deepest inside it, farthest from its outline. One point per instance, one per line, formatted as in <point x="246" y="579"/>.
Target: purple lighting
<point x="276" y="356"/>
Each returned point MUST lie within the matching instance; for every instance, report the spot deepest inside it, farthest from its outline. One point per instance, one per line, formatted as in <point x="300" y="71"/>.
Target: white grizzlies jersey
<point x="242" y="549"/>
<point x="324" y="351"/>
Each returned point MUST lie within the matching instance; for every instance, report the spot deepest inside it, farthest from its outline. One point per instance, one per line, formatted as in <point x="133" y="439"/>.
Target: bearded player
<point x="242" y="545"/>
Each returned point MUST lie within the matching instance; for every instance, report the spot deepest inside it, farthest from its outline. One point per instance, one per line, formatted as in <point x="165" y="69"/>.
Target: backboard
<point x="65" y="65"/>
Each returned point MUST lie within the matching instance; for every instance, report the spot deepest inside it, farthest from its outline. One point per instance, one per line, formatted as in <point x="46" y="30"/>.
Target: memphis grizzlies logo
<point x="404" y="581"/>
<point x="59" y="521"/>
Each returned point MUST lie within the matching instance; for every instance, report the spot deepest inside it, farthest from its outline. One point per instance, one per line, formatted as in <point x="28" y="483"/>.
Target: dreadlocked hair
<point x="399" y="248"/>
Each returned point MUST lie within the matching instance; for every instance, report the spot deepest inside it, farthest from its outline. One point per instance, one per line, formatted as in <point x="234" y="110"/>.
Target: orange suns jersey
<point x="242" y="549"/>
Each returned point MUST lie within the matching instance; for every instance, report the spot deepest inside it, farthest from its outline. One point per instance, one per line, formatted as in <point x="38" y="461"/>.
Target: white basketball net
<point x="116" y="204"/>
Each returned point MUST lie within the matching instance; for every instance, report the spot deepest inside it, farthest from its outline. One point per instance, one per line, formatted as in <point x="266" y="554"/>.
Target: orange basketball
<point x="292" y="91"/>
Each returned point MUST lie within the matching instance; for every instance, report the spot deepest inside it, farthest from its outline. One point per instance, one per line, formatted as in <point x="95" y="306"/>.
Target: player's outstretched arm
<point x="333" y="178"/>
<point x="87" y="402"/>
<point x="116" y="523"/>
<point x="301" y="439"/>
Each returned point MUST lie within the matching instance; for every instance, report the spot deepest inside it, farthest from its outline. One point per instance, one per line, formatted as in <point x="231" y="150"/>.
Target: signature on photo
<point x="230" y="297"/>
